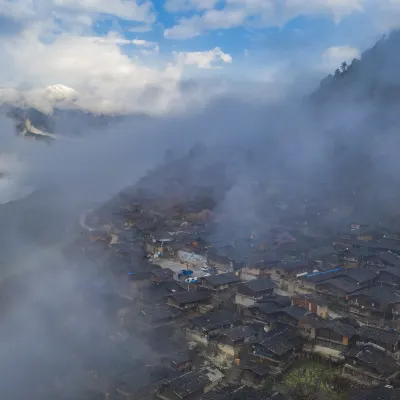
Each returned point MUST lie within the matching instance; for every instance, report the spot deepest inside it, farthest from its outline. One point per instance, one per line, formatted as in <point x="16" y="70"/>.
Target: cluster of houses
<point x="259" y="307"/>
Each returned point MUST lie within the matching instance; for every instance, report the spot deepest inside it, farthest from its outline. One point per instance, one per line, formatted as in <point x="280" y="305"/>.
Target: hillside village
<point x="305" y="307"/>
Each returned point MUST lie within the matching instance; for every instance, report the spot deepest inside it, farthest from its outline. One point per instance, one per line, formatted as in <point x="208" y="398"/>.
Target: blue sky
<point x="125" y="46"/>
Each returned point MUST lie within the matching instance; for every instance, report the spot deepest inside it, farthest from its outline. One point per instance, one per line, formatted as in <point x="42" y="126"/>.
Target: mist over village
<point x="199" y="200"/>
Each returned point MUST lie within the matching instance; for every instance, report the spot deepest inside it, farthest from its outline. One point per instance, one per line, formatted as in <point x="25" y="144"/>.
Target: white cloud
<point x="146" y="44"/>
<point x="204" y="59"/>
<point x="175" y="6"/>
<point x="126" y="9"/>
<point x="334" y="56"/>
<point x="259" y="13"/>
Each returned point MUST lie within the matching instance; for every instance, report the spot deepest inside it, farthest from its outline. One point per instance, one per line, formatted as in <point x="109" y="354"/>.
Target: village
<point x="281" y="314"/>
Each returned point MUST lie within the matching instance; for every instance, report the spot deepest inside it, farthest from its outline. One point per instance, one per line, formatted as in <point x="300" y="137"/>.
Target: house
<point x="312" y="303"/>
<point x="220" y="282"/>
<point x="161" y="275"/>
<point x="375" y="303"/>
<point x="290" y="269"/>
<point x="223" y="263"/>
<point x="156" y="242"/>
<point x="337" y="289"/>
<point x="156" y="316"/>
<point x="336" y="335"/>
<point x="259" y="269"/>
<point x="231" y="340"/>
<point x="362" y="277"/>
<point x="388" y="259"/>
<point x="178" y="361"/>
<point x="241" y="392"/>
<point x="191" y="259"/>
<point x="205" y="327"/>
<point x="291" y="315"/>
<point x="386" y="339"/>
<point x="358" y="256"/>
<point x="389" y="277"/>
<point x="158" y="293"/>
<point x="250" y="292"/>
<point x="190" y="385"/>
<point x="190" y="299"/>
<point x="369" y="366"/>
<point x="324" y="257"/>
<point x="265" y="313"/>
<point x="274" y="349"/>
<point x="310" y="281"/>
<point x="254" y="373"/>
<point x="383" y="392"/>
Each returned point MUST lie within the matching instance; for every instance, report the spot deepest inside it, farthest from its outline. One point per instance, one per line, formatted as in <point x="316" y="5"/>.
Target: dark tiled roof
<point x="278" y="342"/>
<point x="238" y="333"/>
<point x="268" y="308"/>
<point x="378" y="393"/>
<point x="359" y="252"/>
<point x="241" y="392"/>
<point x="193" y="381"/>
<point x="394" y="271"/>
<point x="321" y="252"/>
<point x="159" y="313"/>
<point x="343" y="284"/>
<point x="375" y="359"/>
<point x="222" y="279"/>
<point x="257" y="369"/>
<point x="257" y="285"/>
<point x="340" y="328"/>
<point x="382" y="295"/>
<point x="390" y="258"/>
<point x="190" y="296"/>
<point x="178" y="357"/>
<point x="214" y="320"/>
<point x="378" y="335"/>
<point x="360" y="275"/>
<point x="295" y="312"/>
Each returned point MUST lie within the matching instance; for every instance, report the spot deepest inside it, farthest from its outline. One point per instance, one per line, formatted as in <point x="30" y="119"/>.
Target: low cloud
<point x="204" y="59"/>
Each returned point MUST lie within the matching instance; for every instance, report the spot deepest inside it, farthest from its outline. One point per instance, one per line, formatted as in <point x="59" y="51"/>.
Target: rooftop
<point x="390" y="258"/>
<point x="375" y="359"/>
<point x="340" y="328"/>
<point x="378" y="393"/>
<point x="159" y="313"/>
<point x="294" y="265"/>
<point x="240" y="392"/>
<point x="278" y="342"/>
<point x="191" y="296"/>
<point x="268" y="308"/>
<point x="256" y="285"/>
<point x="237" y="333"/>
<point x="360" y="275"/>
<point x="395" y="271"/>
<point x="342" y="284"/>
<point x="380" y="335"/>
<point x="380" y="295"/>
<point x="214" y="320"/>
<point x="194" y="381"/>
<point x="222" y="279"/>
<point x="295" y="312"/>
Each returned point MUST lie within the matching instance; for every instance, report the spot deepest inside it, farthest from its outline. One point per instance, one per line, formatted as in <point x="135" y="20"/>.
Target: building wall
<point x="196" y="337"/>
<point x="227" y="349"/>
<point x="244" y="300"/>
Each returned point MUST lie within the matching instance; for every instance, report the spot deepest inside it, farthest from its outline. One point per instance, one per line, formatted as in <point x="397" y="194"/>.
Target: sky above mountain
<point x="137" y="52"/>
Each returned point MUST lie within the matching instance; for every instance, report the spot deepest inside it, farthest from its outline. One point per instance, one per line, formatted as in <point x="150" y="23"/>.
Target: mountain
<point x="374" y="77"/>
